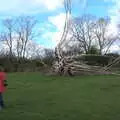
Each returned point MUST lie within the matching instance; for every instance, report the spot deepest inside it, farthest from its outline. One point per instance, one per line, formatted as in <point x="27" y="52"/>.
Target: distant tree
<point x="93" y="50"/>
<point x="73" y="49"/>
<point x="104" y="40"/>
<point x="7" y="35"/>
<point x="24" y="33"/>
<point x="82" y="30"/>
<point x="49" y="56"/>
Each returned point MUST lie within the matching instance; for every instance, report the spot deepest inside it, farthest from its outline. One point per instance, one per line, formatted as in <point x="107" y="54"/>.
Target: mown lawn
<point x="32" y="96"/>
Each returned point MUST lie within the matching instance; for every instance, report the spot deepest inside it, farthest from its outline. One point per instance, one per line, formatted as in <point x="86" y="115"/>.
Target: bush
<point x="21" y="65"/>
<point x="115" y="55"/>
<point x="93" y="50"/>
<point x="95" y="59"/>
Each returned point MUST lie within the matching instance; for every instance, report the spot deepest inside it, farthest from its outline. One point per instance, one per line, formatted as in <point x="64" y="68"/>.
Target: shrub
<point x="95" y="59"/>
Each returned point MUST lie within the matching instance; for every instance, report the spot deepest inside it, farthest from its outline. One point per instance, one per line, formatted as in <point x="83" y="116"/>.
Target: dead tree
<point x="7" y="36"/>
<point x="59" y="65"/>
<point x="104" y="41"/>
<point x="82" y="29"/>
<point x="24" y="34"/>
<point x="67" y="65"/>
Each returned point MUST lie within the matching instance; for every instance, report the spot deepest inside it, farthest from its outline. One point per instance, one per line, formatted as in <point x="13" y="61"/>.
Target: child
<point x="3" y="85"/>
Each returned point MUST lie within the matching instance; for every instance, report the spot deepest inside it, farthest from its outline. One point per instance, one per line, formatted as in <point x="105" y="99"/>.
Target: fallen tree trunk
<point x="68" y="66"/>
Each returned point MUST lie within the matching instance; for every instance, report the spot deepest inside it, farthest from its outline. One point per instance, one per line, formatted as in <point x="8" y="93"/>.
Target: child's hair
<point x="1" y="69"/>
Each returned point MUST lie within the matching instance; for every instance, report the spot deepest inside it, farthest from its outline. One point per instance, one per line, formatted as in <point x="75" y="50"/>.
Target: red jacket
<point x="2" y="78"/>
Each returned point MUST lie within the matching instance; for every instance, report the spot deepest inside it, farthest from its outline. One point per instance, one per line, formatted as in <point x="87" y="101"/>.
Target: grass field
<point x="32" y="96"/>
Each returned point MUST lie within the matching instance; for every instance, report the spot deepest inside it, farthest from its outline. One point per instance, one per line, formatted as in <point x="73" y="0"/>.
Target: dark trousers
<point x="1" y="101"/>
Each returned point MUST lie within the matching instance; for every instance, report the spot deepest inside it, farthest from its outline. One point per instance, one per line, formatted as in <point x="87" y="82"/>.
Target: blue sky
<point x="50" y="14"/>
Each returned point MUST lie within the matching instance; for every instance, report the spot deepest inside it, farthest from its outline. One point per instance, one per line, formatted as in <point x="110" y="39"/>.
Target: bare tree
<point x="82" y="30"/>
<point x="49" y="56"/>
<point x="34" y="50"/>
<point x="7" y="36"/>
<point x="24" y="33"/>
<point x="104" y="40"/>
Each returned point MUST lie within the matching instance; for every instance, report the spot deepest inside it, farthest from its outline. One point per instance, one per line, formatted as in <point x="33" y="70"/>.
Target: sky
<point x="51" y="14"/>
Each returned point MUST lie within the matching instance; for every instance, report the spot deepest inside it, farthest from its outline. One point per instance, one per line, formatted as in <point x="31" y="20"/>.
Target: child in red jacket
<point x="2" y="87"/>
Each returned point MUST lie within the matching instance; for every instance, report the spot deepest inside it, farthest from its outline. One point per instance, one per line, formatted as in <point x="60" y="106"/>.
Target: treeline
<point x="18" y="49"/>
<point x="87" y="35"/>
<point x="17" y="37"/>
<point x="39" y="63"/>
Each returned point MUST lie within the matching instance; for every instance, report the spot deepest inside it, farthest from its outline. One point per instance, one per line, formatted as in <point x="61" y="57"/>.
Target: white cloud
<point x="57" y="22"/>
<point x="28" y="6"/>
<point x="112" y="29"/>
<point x="114" y="13"/>
<point x="115" y="48"/>
<point x="53" y="37"/>
<point x="49" y="4"/>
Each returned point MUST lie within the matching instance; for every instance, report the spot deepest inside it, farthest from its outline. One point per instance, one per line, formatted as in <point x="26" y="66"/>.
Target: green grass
<point x="32" y="96"/>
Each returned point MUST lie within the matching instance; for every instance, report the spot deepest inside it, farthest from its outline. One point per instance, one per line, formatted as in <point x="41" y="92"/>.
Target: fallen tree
<point x="67" y="65"/>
